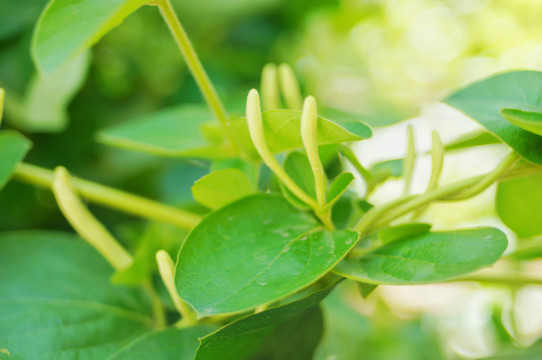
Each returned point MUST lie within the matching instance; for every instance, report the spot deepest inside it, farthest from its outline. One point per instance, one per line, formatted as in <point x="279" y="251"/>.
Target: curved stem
<point x="362" y="171"/>
<point x="384" y="214"/>
<point x="113" y="198"/>
<point x="157" y="307"/>
<point x="166" y="268"/>
<point x="86" y="224"/>
<point x="197" y="70"/>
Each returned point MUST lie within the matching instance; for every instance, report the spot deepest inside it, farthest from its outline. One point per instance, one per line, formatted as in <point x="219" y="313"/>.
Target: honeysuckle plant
<point x="282" y="225"/>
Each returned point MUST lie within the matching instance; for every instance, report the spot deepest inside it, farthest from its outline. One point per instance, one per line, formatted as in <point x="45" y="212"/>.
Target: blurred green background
<point x="381" y="59"/>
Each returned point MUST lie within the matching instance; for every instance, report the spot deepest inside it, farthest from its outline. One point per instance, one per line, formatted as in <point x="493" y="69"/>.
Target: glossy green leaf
<point x="222" y="187"/>
<point x="171" y="343"/>
<point x="476" y="138"/>
<point x="519" y="204"/>
<point x="68" y="27"/>
<point x="56" y="291"/>
<point x="528" y="120"/>
<point x="338" y="187"/>
<point x="13" y="148"/>
<point x="428" y="257"/>
<point x="484" y="100"/>
<point x="175" y="131"/>
<point x="291" y="331"/>
<point x="255" y="251"/>
<point x="282" y="131"/>
<point x="44" y="106"/>
<point x="399" y="232"/>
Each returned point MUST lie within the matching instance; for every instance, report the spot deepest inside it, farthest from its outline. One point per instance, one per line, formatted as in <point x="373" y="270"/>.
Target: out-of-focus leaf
<point x="394" y="233"/>
<point x="290" y="331"/>
<point x="283" y="131"/>
<point x="429" y="257"/>
<point x="528" y="120"/>
<point x="171" y="343"/>
<point x="519" y="204"/>
<point x="44" y="106"/>
<point x="477" y="138"/>
<point x="221" y="187"/>
<point x="384" y="170"/>
<point x="483" y="101"/>
<point x="15" y="18"/>
<point x="157" y="236"/>
<point x="68" y="27"/>
<point x="13" y="148"/>
<point x="257" y="250"/>
<point x="172" y="132"/>
<point x="57" y="287"/>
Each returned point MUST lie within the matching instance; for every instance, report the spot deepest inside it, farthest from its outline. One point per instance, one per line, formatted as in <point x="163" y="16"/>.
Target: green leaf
<point x="252" y="252"/>
<point x="399" y="232"/>
<point x="56" y="291"/>
<point x="476" y="138"/>
<point x="338" y="187"/>
<point x="426" y="258"/>
<point x="175" y="131"/>
<point x="298" y="167"/>
<point x="366" y="289"/>
<point x="171" y="343"/>
<point x="13" y="148"/>
<point x="282" y="131"/>
<point x="157" y="236"/>
<point x="291" y="331"/>
<point x="484" y="100"/>
<point x="44" y="107"/>
<point x="519" y="204"/>
<point x="68" y="27"/>
<point x="383" y="170"/>
<point x="222" y="187"/>
<point x="528" y="120"/>
<point x="15" y="18"/>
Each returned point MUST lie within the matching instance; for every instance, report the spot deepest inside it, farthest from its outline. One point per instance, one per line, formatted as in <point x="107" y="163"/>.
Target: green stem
<point x="384" y="214"/>
<point x="410" y="160"/>
<point x="113" y="198"/>
<point x="507" y="279"/>
<point x="363" y="172"/>
<point x="157" y="307"/>
<point x="197" y="70"/>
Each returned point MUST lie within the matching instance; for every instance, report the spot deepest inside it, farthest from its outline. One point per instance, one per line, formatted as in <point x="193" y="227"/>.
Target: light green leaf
<point x="171" y="343"/>
<point x="252" y="252"/>
<point x="484" y="100"/>
<point x="282" y="131"/>
<point x="13" y="148"/>
<point x="68" y="27"/>
<point x="298" y="167"/>
<point x="476" y="138"/>
<point x="291" y="331"/>
<point x="175" y="131"/>
<point x="366" y="289"/>
<point x="222" y="187"/>
<point x="399" y="232"/>
<point x="519" y="204"/>
<point x="429" y="257"/>
<point x="338" y="187"/>
<point x="56" y="292"/>
<point x="44" y="107"/>
<point x="528" y="120"/>
<point x="382" y="171"/>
